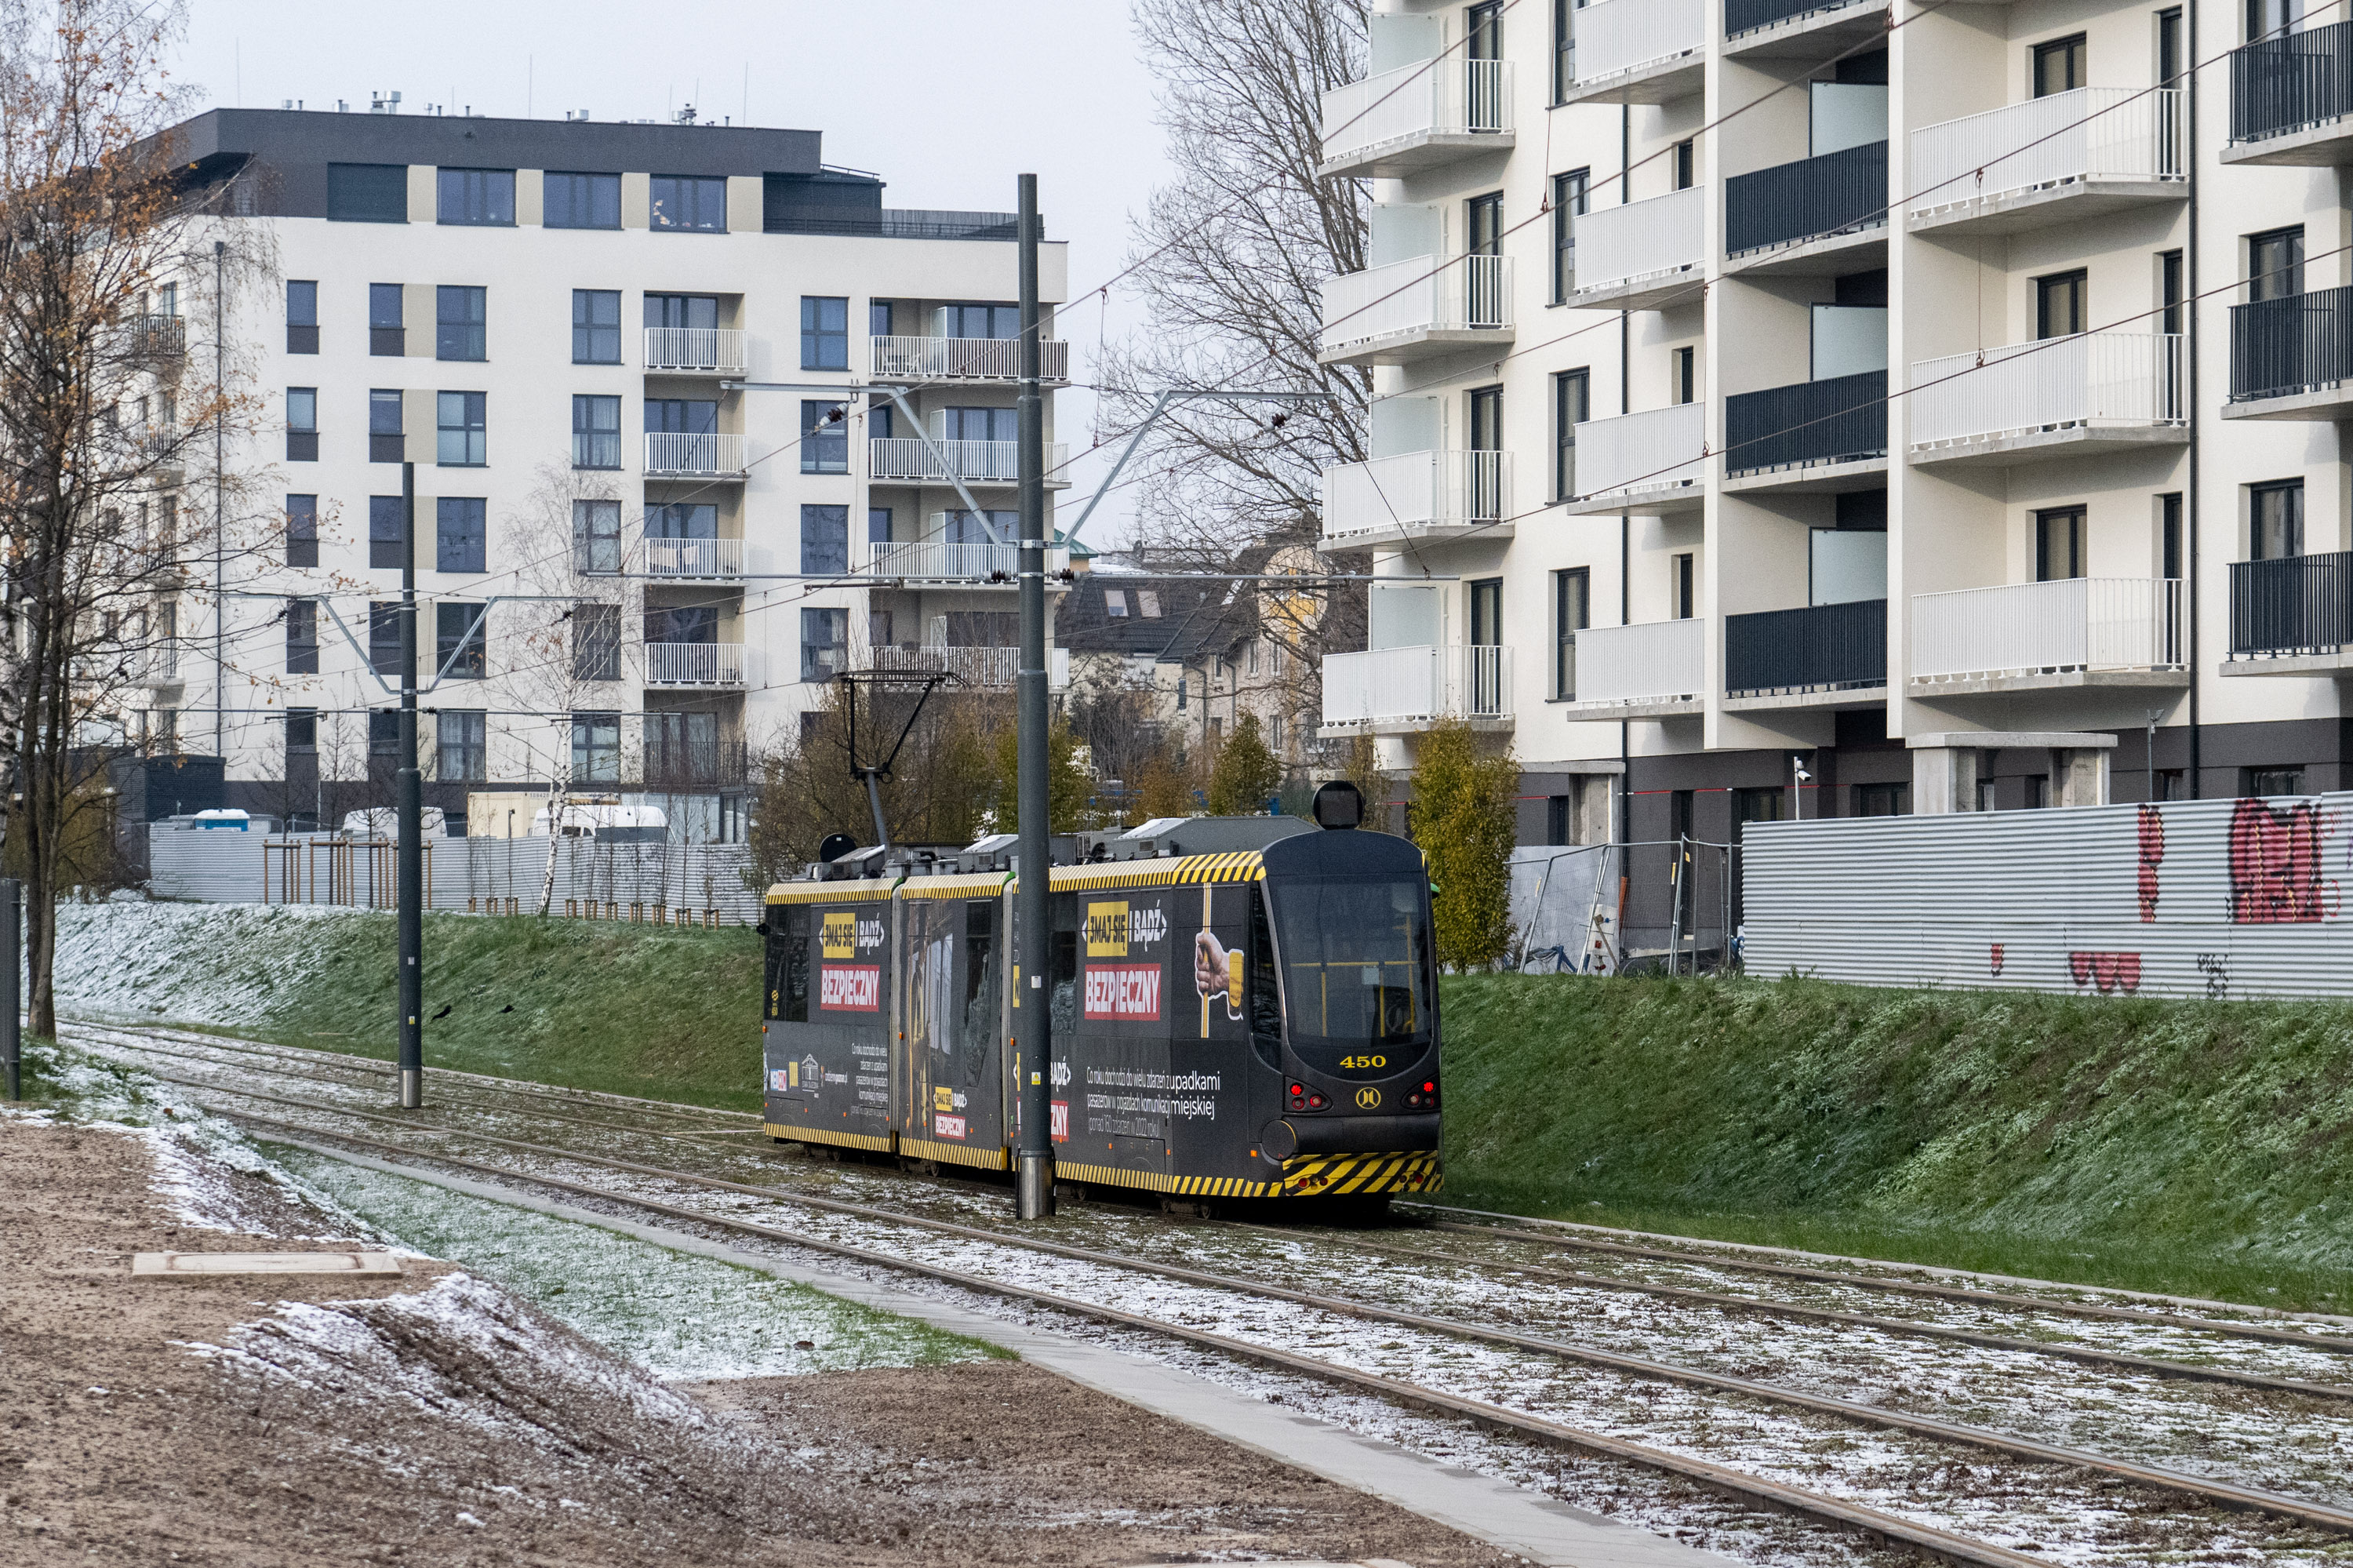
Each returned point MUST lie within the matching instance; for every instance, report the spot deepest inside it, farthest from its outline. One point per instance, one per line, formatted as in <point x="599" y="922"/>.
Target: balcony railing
<point x="992" y="667"/>
<point x="1741" y="15"/>
<point x="694" y="664"/>
<point x="694" y="558"/>
<point x="1417" y="685"/>
<point x="157" y="337"/>
<point x="1448" y="96"/>
<point x="1642" y="454"/>
<point x="2101" y="379"/>
<point x="705" y="455"/>
<point x="709" y="351"/>
<point x="1842" y="419"/>
<point x="2283" y="85"/>
<point x="2090" y="133"/>
<point x="2300" y="604"/>
<point x="966" y="359"/>
<point x="1825" y="647"/>
<point x="907" y="460"/>
<point x="1809" y="199"/>
<point x="1654" y="239"/>
<point x="1416" y="491"/>
<point x="1422" y="293"/>
<point x="1620" y="36"/>
<point x="1659" y="661"/>
<point x="936" y="560"/>
<point x="2032" y="628"/>
<point x="2280" y="348"/>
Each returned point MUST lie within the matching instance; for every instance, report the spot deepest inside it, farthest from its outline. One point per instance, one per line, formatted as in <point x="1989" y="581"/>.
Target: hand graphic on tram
<point x="1210" y="964"/>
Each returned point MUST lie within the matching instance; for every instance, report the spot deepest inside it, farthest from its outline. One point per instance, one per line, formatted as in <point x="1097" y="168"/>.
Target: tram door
<point x="950" y="954"/>
<point x="1209" y="1075"/>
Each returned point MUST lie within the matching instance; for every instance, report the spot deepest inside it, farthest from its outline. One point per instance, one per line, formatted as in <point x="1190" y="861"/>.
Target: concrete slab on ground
<point x="210" y="1265"/>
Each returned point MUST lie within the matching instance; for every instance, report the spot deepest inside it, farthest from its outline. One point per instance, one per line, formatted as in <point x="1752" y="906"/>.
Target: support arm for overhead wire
<point x="1159" y="406"/>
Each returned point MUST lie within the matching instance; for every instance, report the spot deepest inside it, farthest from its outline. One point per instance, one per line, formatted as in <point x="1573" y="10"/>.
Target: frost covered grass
<point x="2186" y="1147"/>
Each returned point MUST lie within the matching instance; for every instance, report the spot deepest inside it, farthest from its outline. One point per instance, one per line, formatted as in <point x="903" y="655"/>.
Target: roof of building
<point x="1166" y="619"/>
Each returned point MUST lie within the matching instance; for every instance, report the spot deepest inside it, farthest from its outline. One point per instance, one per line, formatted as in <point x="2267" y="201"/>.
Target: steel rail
<point x="2222" y="1492"/>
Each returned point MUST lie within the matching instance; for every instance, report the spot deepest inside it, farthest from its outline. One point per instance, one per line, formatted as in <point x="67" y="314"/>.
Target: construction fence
<point x="1666" y="908"/>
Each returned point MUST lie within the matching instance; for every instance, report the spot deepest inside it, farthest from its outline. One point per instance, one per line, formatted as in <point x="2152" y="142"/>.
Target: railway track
<point x="2298" y="1511"/>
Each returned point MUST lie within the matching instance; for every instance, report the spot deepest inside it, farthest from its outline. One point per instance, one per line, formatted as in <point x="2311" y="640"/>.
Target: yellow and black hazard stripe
<point x="879" y="1143"/>
<point x="1361" y="1175"/>
<point x="1235" y="865"/>
<point x="987" y="885"/>
<point x="1156" y="1181"/>
<point x="867" y="892"/>
<point x="954" y="1153"/>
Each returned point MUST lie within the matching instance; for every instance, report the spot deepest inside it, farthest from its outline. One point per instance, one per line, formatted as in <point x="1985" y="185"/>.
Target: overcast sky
<point x="946" y="99"/>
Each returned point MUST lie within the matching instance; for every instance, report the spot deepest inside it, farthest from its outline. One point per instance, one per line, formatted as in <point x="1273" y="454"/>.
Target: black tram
<point x="1247" y="1024"/>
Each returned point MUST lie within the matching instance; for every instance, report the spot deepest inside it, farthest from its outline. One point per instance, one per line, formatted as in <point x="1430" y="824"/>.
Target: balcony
<point x="944" y="564"/>
<point x="1638" y="51"/>
<point x="707" y="559"/>
<point x="694" y="351"/>
<point x="1817" y="215"/>
<point x="152" y="338"/>
<point x="707" y="455"/>
<point x="1657" y="670"/>
<point x="1416" y="117"/>
<point x="2090" y="632"/>
<point x="1820" y="436"/>
<point x="1814" y="30"/>
<point x="1653" y="462"/>
<point x="966" y="359"/>
<point x="1644" y="254"/>
<point x="1826" y="655"/>
<point x="992" y="668"/>
<point x="2290" y="358"/>
<point x="2290" y="98"/>
<point x="2292" y="616"/>
<point x="1417" y="495"/>
<point x="2070" y="155"/>
<point x="2061" y="397"/>
<point x="909" y="459"/>
<point x="694" y="664"/>
<point x="1402" y="691"/>
<point x="1416" y="309"/>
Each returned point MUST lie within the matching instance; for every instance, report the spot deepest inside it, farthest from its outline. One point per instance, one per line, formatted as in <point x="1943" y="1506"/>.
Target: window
<point x="878" y="318"/>
<point x="682" y="748"/>
<point x="2275" y="520"/>
<point x="596" y="641"/>
<point x="301" y="316"/>
<point x="2171" y="296"/>
<point x="1686" y="375"/>
<point x="1002" y="321"/>
<point x="1115" y="603"/>
<point x="301" y="530"/>
<point x="2058" y="304"/>
<point x="2265" y="17"/>
<point x="2059" y="66"/>
<point x="1484" y="476"/>
<point x="825" y="333"/>
<point x="1147" y="603"/>
<point x="683" y="520"/>
<point x="1486" y="612"/>
<point x="461" y="640"/>
<point x="2275" y="264"/>
<point x="301" y="636"/>
<point x="596" y="431"/>
<point x="301" y="424"/>
<point x="1569" y="196"/>
<point x="1572" y="611"/>
<point x="688" y="204"/>
<point x="597" y="747"/>
<point x="1686" y="165"/>
<point x="2273" y="781"/>
<point x="982" y="425"/>
<point x="457" y="531"/>
<point x="385" y="513"/>
<point x="2170" y="62"/>
<point x="596" y="536"/>
<point x="694" y="312"/>
<point x="302" y="732"/>
<point x="878" y="524"/>
<point x="1564" y="47"/>
<point x="463" y="420"/>
<point x="458" y="321"/>
<point x="1882" y="799"/>
<point x="1486" y="213"/>
<point x="697" y="624"/>
<point x="1685" y="589"/>
<point x="824" y="643"/>
<point x="384" y="639"/>
<point x="580" y="201"/>
<point x="385" y="444"/>
<point x="2168" y="535"/>
<point x="460" y="745"/>
<point x="368" y="193"/>
<point x="385" y="320"/>
<point x="824" y="436"/>
<point x="825" y="540"/>
<point x="1483" y="30"/>
<point x="484" y="196"/>
<point x="595" y="326"/>
<point x="1571" y="405"/>
<point x="2059" y="544"/>
<point x="681" y="416"/>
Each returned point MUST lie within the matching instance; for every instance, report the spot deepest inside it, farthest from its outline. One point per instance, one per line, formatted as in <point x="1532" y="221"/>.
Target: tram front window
<point x="1355" y="970"/>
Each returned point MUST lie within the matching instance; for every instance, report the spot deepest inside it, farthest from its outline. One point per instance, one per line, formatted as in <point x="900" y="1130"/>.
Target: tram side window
<point x="788" y="967"/>
<point x="1063" y="971"/>
<point x="980" y="986"/>
<point x="1265" y="997"/>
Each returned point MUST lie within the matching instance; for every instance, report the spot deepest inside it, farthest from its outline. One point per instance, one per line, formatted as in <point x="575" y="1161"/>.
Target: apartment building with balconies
<point x="696" y="421"/>
<point x="1852" y="408"/>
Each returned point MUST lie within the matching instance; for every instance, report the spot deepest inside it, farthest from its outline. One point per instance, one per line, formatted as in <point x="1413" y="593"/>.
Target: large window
<point x="682" y="749"/>
<point x="2059" y="544"/>
<point x="2275" y="264"/>
<point x="2266" y="19"/>
<point x="580" y="201"/>
<point x="825" y="541"/>
<point x="476" y="196"/>
<point x="2275" y="520"/>
<point x="698" y="313"/>
<point x="688" y="204"/>
<point x="980" y="321"/>
<point x="1572" y="611"/>
<point x="981" y="424"/>
<point x="386" y="442"/>
<point x="596" y="641"/>
<point x="824" y="436"/>
<point x="301" y="316"/>
<point x="384" y="732"/>
<point x="459" y="529"/>
<point x="596" y="536"/>
<point x="301" y="424"/>
<point x="825" y="333"/>
<point x="683" y="520"/>
<point x="301" y="636"/>
<point x="462" y="427"/>
<point x="1569" y="196"/>
<point x="384" y="639"/>
<point x="2060" y="304"/>
<point x="824" y="643"/>
<point x="1571" y="404"/>
<point x="1564" y="47"/>
<point x="595" y="326"/>
<point x="461" y="640"/>
<point x="384" y="515"/>
<point x="302" y="737"/>
<point x="301" y="530"/>
<point x="697" y="624"/>
<point x="460" y="332"/>
<point x="596" y="749"/>
<point x="368" y="193"/>
<point x="2059" y="65"/>
<point x="461" y="745"/>
<point x="385" y="314"/>
<point x="596" y="431"/>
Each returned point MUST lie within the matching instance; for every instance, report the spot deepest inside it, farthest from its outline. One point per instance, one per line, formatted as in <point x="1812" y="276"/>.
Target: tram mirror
<point x="1339" y="804"/>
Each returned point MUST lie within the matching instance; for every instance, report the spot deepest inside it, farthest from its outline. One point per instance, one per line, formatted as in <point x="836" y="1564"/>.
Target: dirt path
<point x="434" y="1420"/>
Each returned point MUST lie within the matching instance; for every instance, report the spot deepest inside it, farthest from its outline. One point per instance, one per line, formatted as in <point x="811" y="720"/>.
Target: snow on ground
<point x="189" y="963"/>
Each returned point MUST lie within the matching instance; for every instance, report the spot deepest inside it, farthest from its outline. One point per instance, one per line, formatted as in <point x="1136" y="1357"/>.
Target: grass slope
<point x="2179" y="1146"/>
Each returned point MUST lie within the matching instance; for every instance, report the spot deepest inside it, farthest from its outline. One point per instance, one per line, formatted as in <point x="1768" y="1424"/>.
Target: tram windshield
<point x="1355" y="966"/>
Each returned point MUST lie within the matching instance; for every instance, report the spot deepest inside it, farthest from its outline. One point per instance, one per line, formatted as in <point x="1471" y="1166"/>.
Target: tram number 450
<point x="1349" y="1063"/>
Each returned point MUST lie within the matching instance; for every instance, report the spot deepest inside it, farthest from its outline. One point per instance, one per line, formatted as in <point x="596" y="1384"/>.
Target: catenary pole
<point x="1034" y="1183"/>
<point x="412" y="847"/>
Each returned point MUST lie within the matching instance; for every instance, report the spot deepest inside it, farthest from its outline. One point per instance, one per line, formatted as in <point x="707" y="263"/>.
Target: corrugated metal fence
<point x="2207" y="898"/>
